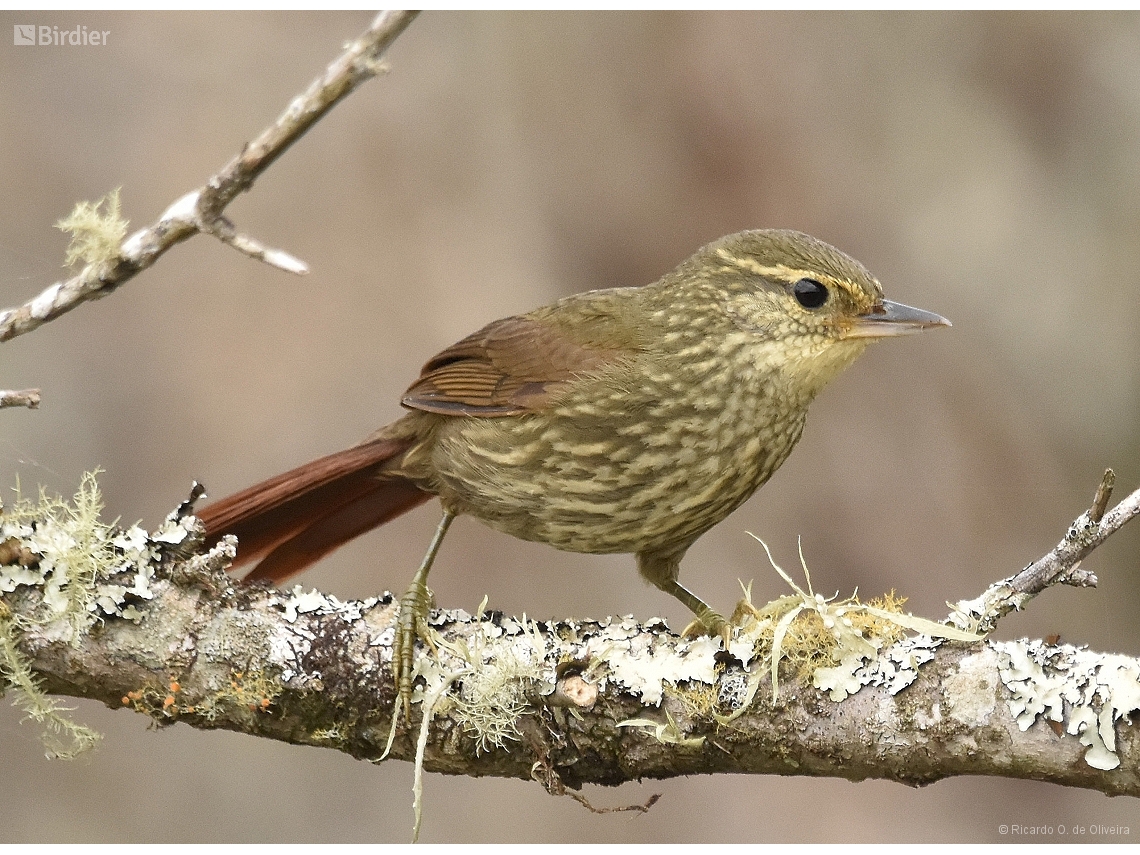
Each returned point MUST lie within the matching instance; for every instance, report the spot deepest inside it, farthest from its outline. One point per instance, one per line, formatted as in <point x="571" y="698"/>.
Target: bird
<point x="621" y="420"/>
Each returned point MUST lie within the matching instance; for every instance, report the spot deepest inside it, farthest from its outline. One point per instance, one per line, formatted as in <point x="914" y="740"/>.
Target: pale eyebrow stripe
<point x="778" y="271"/>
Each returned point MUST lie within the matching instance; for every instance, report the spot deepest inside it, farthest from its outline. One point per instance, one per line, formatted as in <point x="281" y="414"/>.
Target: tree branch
<point x="565" y="702"/>
<point x="1060" y="566"/>
<point x="201" y="210"/>
<point x="29" y="398"/>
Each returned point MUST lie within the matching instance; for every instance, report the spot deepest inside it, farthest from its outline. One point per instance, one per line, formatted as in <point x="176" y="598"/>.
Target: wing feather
<point x="511" y="366"/>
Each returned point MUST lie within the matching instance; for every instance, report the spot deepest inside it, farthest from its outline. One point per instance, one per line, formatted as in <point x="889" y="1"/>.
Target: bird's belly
<point x="625" y="484"/>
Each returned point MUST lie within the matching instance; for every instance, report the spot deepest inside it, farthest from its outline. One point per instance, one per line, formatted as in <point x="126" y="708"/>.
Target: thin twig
<point x="584" y="802"/>
<point x="29" y="398"/>
<point x="1103" y="494"/>
<point x="224" y="230"/>
<point x="201" y="210"/>
<point x="1059" y="566"/>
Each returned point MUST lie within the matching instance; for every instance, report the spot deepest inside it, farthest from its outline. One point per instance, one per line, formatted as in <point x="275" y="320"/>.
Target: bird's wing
<point x="511" y="366"/>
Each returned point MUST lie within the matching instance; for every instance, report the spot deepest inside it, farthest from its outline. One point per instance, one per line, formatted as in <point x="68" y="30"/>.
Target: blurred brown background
<point x="984" y="166"/>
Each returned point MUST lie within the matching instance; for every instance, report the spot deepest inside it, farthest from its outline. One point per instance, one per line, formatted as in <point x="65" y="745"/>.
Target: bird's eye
<point x="810" y="294"/>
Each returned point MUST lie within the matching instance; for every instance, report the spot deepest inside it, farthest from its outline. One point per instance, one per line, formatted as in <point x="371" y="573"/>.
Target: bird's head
<point x="804" y="308"/>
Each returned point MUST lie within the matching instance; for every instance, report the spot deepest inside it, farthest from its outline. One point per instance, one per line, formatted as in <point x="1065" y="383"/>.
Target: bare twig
<point x="1059" y="566"/>
<point x="29" y="398"/>
<point x="224" y="230"/>
<point x="584" y="802"/>
<point x="201" y="210"/>
<point x="1103" y="494"/>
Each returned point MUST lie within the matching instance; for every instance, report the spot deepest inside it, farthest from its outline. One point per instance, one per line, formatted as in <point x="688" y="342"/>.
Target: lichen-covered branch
<point x="306" y="669"/>
<point x="154" y="625"/>
<point x="202" y="210"/>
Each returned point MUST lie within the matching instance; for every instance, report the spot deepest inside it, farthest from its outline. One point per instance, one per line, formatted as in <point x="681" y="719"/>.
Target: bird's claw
<point x="710" y="623"/>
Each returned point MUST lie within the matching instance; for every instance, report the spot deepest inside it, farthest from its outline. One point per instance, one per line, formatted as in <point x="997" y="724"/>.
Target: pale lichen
<point x="837" y="642"/>
<point x="505" y="673"/>
<point x="1097" y="689"/>
<point x="498" y="668"/>
<point x="302" y="602"/>
<point x="897" y="667"/>
<point x="644" y="663"/>
<point x="96" y="232"/>
<point x="70" y="545"/>
<point x="87" y="570"/>
<point x="63" y="738"/>
<point x="79" y="571"/>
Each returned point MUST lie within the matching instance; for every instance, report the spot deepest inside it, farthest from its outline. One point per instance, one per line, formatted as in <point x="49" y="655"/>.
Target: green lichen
<point x="252" y="691"/>
<point x="244" y="692"/>
<point x="96" y="235"/>
<point x="827" y="638"/>
<point x="63" y="554"/>
<point x="63" y="738"/>
<point x="72" y="547"/>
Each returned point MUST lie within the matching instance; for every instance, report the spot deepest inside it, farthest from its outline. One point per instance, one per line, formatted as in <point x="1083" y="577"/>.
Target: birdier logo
<point x="30" y="34"/>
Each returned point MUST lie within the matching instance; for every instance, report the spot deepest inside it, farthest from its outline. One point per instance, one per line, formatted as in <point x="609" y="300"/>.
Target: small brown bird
<point x="622" y="420"/>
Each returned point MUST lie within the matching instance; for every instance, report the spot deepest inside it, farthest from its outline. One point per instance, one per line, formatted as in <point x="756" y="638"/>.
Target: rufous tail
<point x="296" y="518"/>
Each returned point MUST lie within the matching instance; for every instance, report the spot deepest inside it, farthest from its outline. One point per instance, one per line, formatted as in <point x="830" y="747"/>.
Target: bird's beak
<point x="889" y="319"/>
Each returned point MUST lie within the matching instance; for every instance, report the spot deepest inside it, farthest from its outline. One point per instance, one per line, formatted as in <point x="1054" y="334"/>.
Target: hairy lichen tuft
<point x="96" y="234"/>
<point x="73" y="571"/>
<point x="63" y="738"/>
<point x="832" y="640"/>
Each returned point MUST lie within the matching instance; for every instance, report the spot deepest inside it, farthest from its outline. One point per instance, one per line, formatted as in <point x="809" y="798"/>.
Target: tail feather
<point x="386" y="501"/>
<point x="296" y="518"/>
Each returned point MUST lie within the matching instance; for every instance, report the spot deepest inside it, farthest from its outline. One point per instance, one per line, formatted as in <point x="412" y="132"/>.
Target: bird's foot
<point x="711" y="623"/>
<point x="744" y="611"/>
<point x="411" y="623"/>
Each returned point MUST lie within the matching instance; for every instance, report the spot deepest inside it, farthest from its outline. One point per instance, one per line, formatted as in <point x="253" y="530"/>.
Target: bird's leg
<point x="412" y="620"/>
<point x="662" y="571"/>
<point x="708" y="621"/>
